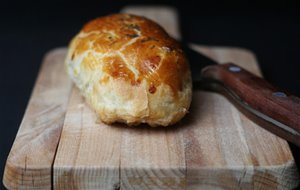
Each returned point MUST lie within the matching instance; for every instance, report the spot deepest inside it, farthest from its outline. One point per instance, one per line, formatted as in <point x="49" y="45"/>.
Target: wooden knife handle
<point x="277" y="107"/>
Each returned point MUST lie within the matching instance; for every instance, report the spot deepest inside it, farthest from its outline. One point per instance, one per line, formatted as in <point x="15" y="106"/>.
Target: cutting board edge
<point x="249" y="176"/>
<point x="54" y="51"/>
<point x="289" y="164"/>
<point x="14" y="173"/>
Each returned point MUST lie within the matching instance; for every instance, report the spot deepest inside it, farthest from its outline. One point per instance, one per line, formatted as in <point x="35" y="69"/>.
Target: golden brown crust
<point x="140" y="55"/>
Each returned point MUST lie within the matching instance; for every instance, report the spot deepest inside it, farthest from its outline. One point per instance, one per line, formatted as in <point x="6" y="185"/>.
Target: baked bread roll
<point x="130" y="70"/>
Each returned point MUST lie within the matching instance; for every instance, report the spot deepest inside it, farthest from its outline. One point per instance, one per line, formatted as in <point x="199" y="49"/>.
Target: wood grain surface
<point x="30" y="160"/>
<point x="213" y="147"/>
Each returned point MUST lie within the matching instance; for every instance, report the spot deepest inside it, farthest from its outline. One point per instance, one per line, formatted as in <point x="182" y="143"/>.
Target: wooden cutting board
<point x="60" y="146"/>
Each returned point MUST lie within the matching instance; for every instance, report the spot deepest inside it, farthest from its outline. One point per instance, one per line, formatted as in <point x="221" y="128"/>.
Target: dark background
<point x="28" y="29"/>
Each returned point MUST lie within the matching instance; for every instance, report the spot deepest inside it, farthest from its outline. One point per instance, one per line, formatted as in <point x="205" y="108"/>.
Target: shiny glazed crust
<point x="130" y="70"/>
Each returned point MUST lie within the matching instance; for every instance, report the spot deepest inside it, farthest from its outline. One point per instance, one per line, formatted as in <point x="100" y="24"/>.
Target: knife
<point x="271" y="107"/>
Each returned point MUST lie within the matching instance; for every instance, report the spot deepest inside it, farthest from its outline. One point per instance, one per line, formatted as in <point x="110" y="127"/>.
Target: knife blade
<point x="271" y="107"/>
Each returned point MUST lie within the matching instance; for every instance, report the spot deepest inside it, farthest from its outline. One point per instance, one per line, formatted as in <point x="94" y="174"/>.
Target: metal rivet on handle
<point x="234" y="69"/>
<point x="279" y="94"/>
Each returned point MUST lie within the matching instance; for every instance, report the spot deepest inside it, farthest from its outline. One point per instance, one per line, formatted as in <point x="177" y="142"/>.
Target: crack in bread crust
<point x="140" y="55"/>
